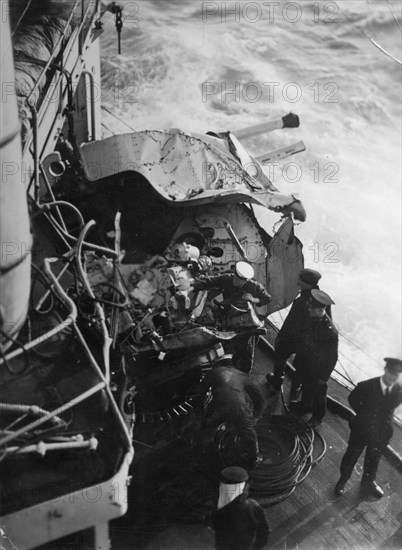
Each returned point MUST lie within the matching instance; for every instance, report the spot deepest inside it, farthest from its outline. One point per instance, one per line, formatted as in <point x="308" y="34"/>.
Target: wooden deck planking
<point x="312" y="518"/>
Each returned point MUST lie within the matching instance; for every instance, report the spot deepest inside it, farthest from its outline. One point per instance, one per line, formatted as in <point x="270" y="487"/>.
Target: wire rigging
<point x="346" y="377"/>
<point x="394" y="14"/>
<point x="374" y="42"/>
<point x="358" y="347"/>
<point x="117" y="118"/>
<point x="353" y="363"/>
<point x="21" y="18"/>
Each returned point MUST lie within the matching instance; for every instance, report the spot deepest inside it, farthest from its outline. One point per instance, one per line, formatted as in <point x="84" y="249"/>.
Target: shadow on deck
<point x="312" y="518"/>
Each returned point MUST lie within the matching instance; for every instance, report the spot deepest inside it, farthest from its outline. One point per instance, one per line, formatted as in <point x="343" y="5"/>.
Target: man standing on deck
<point x="374" y="402"/>
<point x="239" y="289"/>
<point x="289" y="334"/>
<point x="239" y="522"/>
<point x="316" y="357"/>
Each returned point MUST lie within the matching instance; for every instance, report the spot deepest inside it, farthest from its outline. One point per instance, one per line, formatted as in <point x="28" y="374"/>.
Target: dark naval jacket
<point x="374" y="411"/>
<point x="225" y="284"/>
<point x="234" y="398"/>
<point x="317" y="350"/>
<point x="290" y="330"/>
<point x="240" y="525"/>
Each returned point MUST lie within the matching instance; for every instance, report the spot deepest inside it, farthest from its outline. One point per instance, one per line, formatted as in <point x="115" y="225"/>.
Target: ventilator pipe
<point x="57" y="168"/>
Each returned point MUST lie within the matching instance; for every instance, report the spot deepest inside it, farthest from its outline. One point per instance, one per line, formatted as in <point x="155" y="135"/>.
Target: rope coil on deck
<point x="287" y="449"/>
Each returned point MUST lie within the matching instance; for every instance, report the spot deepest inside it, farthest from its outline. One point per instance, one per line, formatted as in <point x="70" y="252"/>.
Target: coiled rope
<point x="289" y="452"/>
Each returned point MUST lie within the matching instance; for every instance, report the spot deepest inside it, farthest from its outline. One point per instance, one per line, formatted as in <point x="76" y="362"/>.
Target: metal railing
<point x="34" y="98"/>
<point x="347" y="383"/>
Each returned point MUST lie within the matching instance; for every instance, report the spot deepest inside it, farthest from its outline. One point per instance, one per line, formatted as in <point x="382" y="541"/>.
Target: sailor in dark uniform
<point x="236" y="402"/>
<point x="239" y="289"/>
<point x="239" y="522"/>
<point x="374" y="402"/>
<point x="316" y="357"/>
<point x="289" y="334"/>
<point x="239" y="285"/>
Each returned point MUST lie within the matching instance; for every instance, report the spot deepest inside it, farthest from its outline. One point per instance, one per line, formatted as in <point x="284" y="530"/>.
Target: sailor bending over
<point x="239" y="289"/>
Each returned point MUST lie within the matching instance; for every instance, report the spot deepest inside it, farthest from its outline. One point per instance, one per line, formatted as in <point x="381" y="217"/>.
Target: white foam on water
<point x="352" y="133"/>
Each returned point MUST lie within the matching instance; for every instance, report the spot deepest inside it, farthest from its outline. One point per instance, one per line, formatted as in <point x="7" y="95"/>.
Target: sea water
<point x="222" y="66"/>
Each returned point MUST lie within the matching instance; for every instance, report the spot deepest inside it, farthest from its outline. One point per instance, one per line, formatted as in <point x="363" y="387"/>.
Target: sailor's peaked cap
<point x="321" y="298"/>
<point x="310" y="276"/>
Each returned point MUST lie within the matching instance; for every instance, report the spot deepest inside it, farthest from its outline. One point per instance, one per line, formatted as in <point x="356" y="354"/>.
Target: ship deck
<point x="311" y="518"/>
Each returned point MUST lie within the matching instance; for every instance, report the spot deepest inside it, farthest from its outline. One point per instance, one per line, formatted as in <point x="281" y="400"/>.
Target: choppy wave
<point x="350" y="114"/>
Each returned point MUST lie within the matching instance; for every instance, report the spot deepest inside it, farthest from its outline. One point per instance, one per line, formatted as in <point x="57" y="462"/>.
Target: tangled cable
<point x="287" y="449"/>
